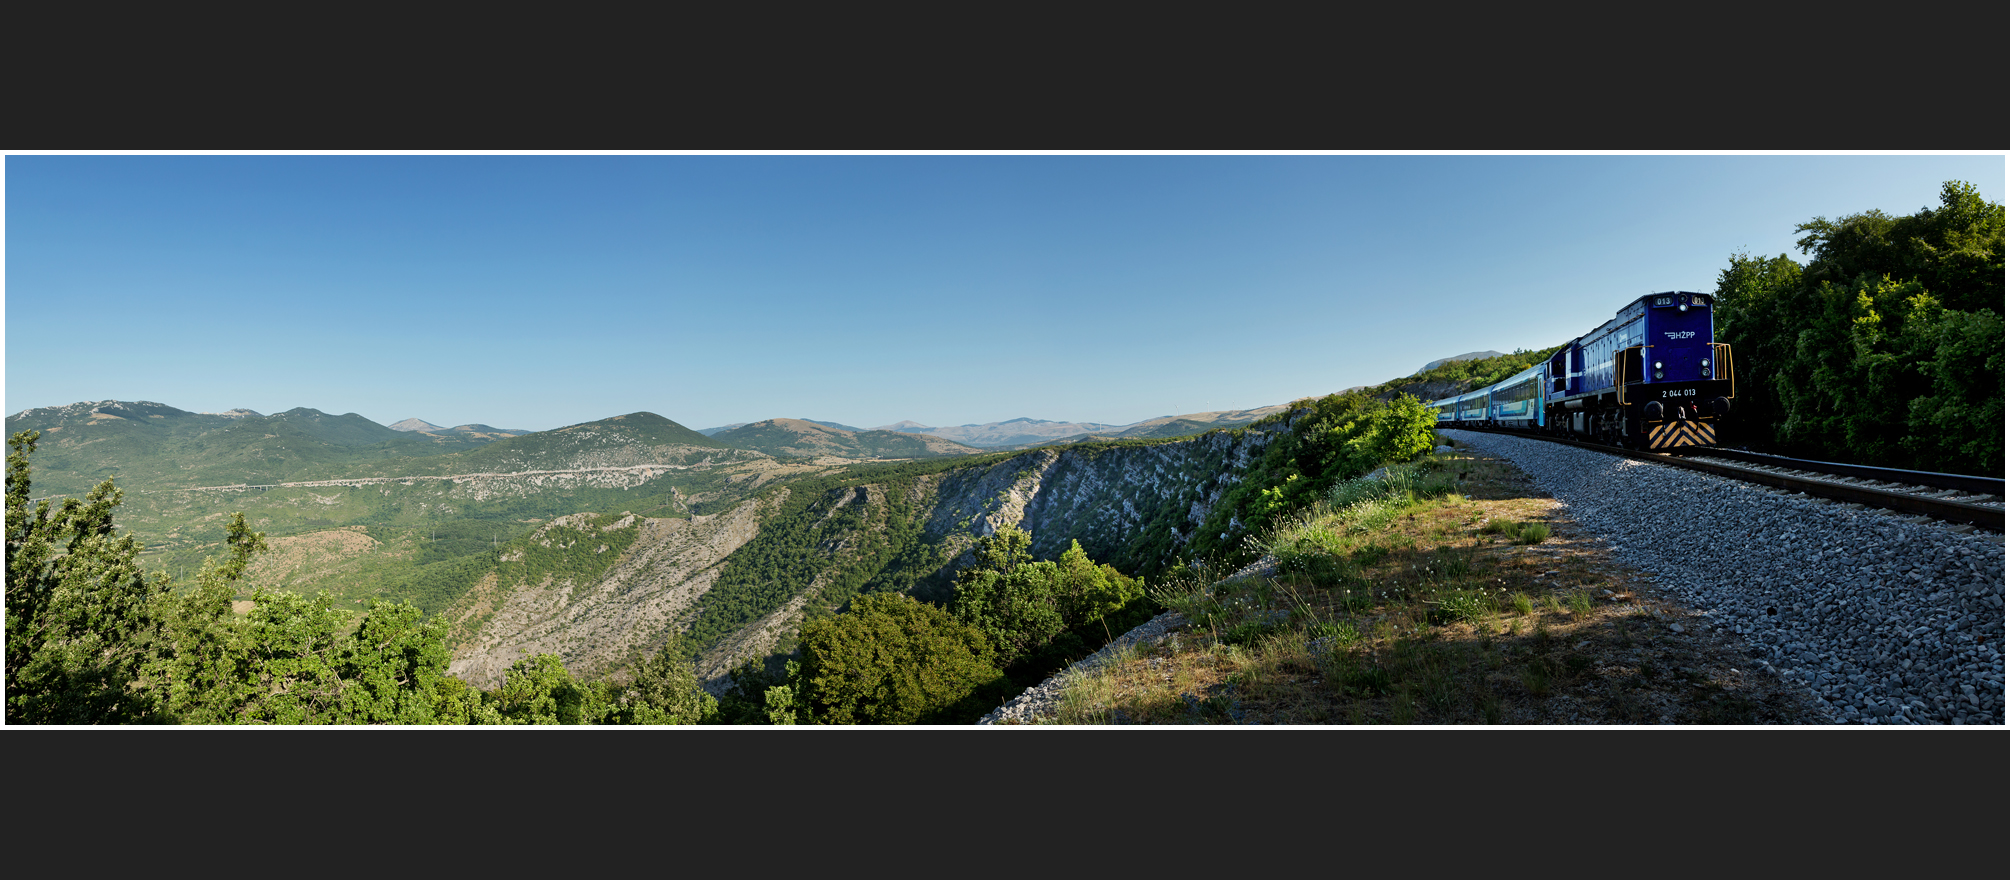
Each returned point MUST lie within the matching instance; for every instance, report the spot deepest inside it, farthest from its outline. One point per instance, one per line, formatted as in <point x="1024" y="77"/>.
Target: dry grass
<point x="1435" y="612"/>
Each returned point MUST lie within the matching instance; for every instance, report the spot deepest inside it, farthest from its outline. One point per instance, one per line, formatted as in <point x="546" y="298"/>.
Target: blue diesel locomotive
<point x="1650" y="378"/>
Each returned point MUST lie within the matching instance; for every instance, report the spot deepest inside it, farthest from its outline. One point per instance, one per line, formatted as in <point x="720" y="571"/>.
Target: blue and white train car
<point x="1447" y="411"/>
<point x="1470" y="408"/>
<point x="1518" y="401"/>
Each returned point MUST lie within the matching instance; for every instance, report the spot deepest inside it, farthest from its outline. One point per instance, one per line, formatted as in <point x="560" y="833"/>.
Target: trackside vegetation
<point x="1329" y="440"/>
<point x="1886" y="348"/>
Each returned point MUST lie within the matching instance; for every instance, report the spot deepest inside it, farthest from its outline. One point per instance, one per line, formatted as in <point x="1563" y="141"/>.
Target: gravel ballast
<point x="1884" y="619"/>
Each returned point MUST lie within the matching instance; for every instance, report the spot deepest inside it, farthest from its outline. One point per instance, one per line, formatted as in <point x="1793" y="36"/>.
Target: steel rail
<point x="1977" y="515"/>
<point x="1957" y="482"/>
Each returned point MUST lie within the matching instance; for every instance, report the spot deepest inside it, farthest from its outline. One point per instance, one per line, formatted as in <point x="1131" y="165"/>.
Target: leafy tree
<point x="81" y="614"/>
<point x="540" y="690"/>
<point x="663" y="690"/>
<point x="1955" y="250"/>
<point x="761" y="696"/>
<point x="1039" y="615"/>
<point x="782" y="705"/>
<point x="1016" y="610"/>
<point x="1003" y="551"/>
<point x="199" y="671"/>
<point x="1092" y="594"/>
<point x="1886" y="348"/>
<point x="291" y="657"/>
<point x="1752" y="312"/>
<point x="1950" y="427"/>
<point x="890" y="659"/>
<point x="394" y="667"/>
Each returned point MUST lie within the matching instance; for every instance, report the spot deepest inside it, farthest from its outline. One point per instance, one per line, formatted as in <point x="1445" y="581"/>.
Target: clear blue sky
<point x="539" y="291"/>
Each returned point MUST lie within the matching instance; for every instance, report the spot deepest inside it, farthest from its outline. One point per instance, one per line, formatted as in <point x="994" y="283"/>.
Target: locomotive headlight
<point x="1657" y="374"/>
<point x="1706" y="363"/>
<point x="1657" y="365"/>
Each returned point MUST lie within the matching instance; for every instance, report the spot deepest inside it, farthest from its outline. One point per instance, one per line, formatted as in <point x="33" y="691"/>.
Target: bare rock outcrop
<point x="645" y="596"/>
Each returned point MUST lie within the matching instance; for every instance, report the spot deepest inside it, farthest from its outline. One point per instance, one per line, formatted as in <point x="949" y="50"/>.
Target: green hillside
<point x="620" y="441"/>
<point x="801" y="438"/>
<point x="895" y="444"/>
<point x="150" y="446"/>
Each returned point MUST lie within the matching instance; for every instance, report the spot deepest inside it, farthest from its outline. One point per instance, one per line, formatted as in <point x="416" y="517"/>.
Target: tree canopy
<point x="1886" y="348"/>
<point x="82" y="617"/>
<point x="891" y="659"/>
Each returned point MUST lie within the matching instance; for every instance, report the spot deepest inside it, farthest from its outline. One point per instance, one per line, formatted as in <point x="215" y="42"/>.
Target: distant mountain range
<point x="802" y="437"/>
<point x="1016" y="433"/>
<point x="709" y="432"/>
<point x="1025" y="432"/>
<point x="483" y="432"/>
<point x="157" y="446"/>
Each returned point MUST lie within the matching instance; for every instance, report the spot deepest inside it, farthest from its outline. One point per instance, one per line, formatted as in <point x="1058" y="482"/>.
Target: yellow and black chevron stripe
<point x="1683" y="433"/>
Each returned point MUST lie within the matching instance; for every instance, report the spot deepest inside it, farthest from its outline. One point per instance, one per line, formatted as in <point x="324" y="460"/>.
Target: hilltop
<point x="476" y="431"/>
<point x="1468" y="356"/>
<point x="803" y="438"/>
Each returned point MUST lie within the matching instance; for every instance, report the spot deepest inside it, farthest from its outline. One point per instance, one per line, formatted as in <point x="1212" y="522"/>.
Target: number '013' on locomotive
<point x="1650" y="378"/>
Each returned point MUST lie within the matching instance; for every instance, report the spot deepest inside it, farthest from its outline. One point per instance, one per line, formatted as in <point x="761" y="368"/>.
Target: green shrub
<point x="890" y="659"/>
<point x="1043" y="614"/>
<point x="540" y="690"/>
<point x="663" y="690"/>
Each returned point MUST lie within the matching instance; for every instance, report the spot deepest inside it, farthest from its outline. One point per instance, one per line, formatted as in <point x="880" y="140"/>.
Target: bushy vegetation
<point x="540" y="690"/>
<point x="1331" y="439"/>
<point x="891" y="659"/>
<point x="1885" y="349"/>
<point x="1042" y="615"/>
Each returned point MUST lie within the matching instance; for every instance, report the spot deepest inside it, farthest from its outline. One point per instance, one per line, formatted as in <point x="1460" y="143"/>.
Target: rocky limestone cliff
<point x="595" y="627"/>
<point x="1109" y="499"/>
<point x="1132" y="505"/>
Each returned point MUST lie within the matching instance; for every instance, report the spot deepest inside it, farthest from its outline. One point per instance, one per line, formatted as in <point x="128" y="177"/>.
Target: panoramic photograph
<point x="1005" y="441"/>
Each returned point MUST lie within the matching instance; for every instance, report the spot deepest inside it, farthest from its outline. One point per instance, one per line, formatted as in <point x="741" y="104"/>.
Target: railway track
<point x="1957" y="498"/>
